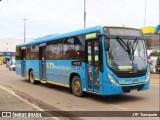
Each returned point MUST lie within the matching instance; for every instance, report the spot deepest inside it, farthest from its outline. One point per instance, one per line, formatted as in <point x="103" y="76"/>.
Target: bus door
<point x="42" y="61"/>
<point x="92" y="60"/>
<point x="23" y="61"/>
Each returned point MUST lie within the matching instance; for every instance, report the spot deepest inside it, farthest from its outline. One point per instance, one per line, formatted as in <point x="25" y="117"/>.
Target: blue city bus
<point x="101" y="60"/>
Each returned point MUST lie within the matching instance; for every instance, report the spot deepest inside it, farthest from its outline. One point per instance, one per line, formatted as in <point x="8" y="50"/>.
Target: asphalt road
<point x="58" y="98"/>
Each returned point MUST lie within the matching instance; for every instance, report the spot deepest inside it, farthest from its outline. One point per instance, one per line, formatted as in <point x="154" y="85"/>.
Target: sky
<point x="47" y="17"/>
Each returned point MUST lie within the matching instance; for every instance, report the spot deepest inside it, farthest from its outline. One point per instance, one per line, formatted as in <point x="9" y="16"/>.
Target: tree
<point x="155" y="53"/>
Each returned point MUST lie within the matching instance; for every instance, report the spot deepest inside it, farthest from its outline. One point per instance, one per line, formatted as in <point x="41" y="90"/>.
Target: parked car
<point x="7" y="65"/>
<point x="152" y="66"/>
<point x="12" y="67"/>
<point x="158" y="65"/>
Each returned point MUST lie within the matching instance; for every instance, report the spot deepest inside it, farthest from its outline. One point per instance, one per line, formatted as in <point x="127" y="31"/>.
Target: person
<point x="11" y="61"/>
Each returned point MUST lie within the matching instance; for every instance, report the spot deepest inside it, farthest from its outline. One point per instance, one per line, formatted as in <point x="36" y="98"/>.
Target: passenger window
<point x="54" y="50"/>
<point x="34" y="52"/>
<point x="73" y="48"/>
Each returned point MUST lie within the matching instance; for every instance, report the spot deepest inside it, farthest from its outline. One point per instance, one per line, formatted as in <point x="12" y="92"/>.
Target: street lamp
<point x="24" y="29"/>
<point x="84" y="13"/>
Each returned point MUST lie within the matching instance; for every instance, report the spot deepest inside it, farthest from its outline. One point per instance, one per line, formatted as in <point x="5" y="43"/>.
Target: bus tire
<point x="77" y="86"/>
<point x="31" y="77"/>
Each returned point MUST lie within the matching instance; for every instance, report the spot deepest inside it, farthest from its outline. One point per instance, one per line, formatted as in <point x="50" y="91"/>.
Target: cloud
<point x="59" y="16"/>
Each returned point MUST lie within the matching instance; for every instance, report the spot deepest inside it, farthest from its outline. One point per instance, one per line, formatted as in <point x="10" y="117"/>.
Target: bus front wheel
<point x="77" y="86"/>
<point x="31" y="77"/>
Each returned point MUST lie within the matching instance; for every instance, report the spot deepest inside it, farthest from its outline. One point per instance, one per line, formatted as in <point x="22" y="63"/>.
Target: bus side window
<point x="54" y="50"/>
<point x="28" y="52"/>
<point x="73" y="48"/>
<point x="34" y="52"/>
<point x="18" y="53"/>
<point x="69" y="50"/>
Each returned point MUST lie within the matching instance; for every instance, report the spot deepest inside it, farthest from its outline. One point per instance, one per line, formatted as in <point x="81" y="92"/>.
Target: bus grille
<point x="130" y="75"/>
<point x="127" y="89"/>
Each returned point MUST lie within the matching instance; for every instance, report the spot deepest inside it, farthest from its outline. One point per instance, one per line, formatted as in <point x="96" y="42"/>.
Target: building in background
<point x="8" y="48"/>
<point x="9" y="44"/>
<point x="6" y="56"/>
<point x="152" y="35"/>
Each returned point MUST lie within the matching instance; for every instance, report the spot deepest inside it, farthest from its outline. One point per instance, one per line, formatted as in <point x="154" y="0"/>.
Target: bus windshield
<point x="127" y="54"/>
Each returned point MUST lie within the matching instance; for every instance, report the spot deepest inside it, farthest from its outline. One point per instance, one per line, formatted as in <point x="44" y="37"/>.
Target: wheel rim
<point x="77" y="86"/>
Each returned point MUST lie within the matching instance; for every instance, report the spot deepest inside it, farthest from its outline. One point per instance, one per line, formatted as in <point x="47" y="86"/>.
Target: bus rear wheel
<point x="77" y="86"/>
<point x="31" y="77"/>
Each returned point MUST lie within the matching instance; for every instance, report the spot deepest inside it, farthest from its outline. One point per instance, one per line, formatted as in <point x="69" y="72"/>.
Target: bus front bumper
<point x="112" y="89"/>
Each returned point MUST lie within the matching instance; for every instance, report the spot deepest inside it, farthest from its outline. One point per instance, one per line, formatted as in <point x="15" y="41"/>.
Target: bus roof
<point x="54" y="36"/>
<point x="121" y="27"/>
<point x="78" y="32"/>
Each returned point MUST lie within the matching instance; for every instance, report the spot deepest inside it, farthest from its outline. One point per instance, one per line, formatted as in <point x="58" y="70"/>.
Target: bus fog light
<point x="112" y="80"/>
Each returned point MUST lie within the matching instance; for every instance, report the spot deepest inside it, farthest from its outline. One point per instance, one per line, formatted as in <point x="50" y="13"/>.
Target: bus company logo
<point x="53" y="66"/>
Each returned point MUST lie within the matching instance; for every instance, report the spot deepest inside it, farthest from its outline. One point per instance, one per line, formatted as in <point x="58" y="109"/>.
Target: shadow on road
<point x="105" y="99"/>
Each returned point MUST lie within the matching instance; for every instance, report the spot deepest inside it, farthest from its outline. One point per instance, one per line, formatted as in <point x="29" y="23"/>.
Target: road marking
<point x="119" y="107"/>
<point x="13" y="93"/>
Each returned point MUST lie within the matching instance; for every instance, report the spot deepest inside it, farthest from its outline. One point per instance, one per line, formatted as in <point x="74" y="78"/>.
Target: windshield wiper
<point x="130" y="50"/>
<point x="122" y="43"/>
<point x="134" y="46"/>
<point x="126" y="47"/>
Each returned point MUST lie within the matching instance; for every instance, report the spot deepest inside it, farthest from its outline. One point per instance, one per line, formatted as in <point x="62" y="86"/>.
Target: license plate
<point x="134" y="90"/>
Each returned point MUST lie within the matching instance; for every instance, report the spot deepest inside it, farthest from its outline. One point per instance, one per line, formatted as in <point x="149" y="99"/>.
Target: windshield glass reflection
<point x="124" y="55"/>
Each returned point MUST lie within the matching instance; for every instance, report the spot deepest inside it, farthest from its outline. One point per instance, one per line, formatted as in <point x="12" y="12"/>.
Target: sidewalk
<point x="11" y="102"/>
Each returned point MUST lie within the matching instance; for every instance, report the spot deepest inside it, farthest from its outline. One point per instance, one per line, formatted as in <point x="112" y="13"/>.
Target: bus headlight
<point x="112" y="80"/>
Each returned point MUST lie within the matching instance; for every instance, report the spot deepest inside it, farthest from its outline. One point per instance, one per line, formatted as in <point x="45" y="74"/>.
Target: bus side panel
<point x="34" y="65"/>
<point x="18" y="67"/>
<point x="59" y="71"/>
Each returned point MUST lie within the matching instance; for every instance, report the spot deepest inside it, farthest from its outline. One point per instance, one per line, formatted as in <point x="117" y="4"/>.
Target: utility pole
<point x="84" y="13"/>
<point x="159" y="12"/>
<point x="24" y="29"/>
<point x="145" y="13"/>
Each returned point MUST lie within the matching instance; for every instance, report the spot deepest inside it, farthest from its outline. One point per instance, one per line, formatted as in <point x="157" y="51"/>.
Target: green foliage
<point x="155" y="53"/>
